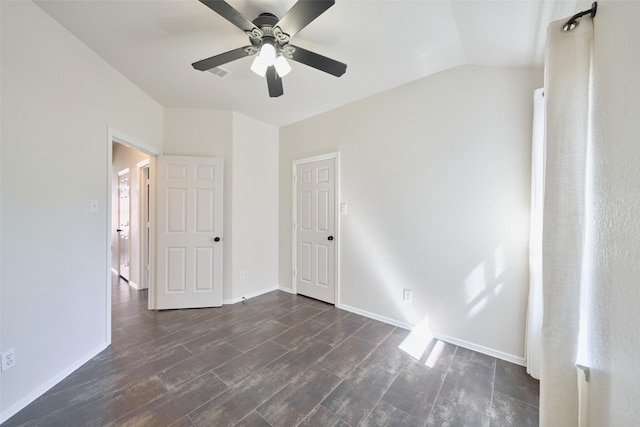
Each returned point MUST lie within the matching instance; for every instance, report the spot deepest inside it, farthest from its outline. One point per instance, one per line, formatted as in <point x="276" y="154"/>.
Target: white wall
<point x="58" y="99"/>
<point x="250" y="152"/>
<point x="615" y="321"/>
<point x="436" y="177"/>
<point x="255" y="207"/>
<point x="197" y="132"/>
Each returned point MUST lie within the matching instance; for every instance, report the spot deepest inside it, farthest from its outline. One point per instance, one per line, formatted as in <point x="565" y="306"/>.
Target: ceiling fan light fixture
<point x="269" y="37"/>
<point x="282" y="66"/>
<point x="259" y="67"/>
<point x="268" y="53"/>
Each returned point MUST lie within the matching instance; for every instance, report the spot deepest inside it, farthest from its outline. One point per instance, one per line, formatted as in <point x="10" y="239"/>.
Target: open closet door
<point x="189" y="232"/>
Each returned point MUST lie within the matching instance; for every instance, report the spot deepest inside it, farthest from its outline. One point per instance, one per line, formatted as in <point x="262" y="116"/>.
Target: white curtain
<point x="565" y="220"/>
<point x="535" y="306"/>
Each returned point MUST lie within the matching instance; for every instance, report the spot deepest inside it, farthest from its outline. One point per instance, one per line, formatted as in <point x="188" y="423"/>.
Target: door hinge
<point x="295" y="273"/>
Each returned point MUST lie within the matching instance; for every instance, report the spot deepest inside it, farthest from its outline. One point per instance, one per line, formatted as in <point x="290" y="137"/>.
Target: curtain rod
<point x="573" y="21"/>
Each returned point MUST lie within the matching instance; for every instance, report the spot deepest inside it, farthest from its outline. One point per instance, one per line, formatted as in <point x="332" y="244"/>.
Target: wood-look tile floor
<point x="278" y="360"/>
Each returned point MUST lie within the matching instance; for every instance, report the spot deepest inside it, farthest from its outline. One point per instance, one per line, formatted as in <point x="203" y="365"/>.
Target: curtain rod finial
<point x="573" y="21"/>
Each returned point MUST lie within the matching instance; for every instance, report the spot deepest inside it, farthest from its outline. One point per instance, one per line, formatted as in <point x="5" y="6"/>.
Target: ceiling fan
<point x="269" y="37"/>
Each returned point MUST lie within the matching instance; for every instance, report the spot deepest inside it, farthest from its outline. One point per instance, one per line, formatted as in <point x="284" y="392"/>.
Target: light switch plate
<point x="93" y="206"/>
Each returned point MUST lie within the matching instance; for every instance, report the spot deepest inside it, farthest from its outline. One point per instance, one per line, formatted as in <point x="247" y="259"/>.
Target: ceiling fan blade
<point x="225" y="10"/>
<point x="274" y="82"/>
<point x="223" y="58"/>
<point x="301" y="14"/>
<point x="317" y="61"/>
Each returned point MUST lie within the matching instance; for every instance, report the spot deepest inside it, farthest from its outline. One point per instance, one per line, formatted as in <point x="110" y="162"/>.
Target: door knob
<point x="330" y="238"/>
<point x="118" y="230"/>
<point x="216" y="239"/>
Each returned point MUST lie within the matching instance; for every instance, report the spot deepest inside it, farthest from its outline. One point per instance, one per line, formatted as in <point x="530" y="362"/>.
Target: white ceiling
<point x="385" y="43"/>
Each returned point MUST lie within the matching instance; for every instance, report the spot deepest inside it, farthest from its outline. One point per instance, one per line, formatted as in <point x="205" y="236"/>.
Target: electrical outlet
<point x="8" y="359"/>
<point x="407" y="295"/>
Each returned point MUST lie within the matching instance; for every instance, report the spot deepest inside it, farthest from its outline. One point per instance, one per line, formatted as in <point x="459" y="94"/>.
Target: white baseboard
<point x="287" y="290"/>
<point x="22" y="403"/>
<point x="374" y="316"/>
<point x="518" y="360"/>
<point x="133" y="284"/>
<point x="249" y="296"/>
<point x="451" y="340"/>
<point x="136" y="286"/>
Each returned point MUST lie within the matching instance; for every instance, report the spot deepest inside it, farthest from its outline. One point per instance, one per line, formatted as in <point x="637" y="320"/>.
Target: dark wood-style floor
<point x="277" y="360"/>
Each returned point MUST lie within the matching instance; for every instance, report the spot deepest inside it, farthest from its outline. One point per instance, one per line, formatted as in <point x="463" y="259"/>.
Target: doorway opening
<point x="123" y="224"/>
<point x="130" y="215"/>
<point x="127" y="152"/>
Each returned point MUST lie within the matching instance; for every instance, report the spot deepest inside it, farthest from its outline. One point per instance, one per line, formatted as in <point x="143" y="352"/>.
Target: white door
<point x="315" y="226"/>
<point x="189" y="232"/>
<point x="124" y="208"/>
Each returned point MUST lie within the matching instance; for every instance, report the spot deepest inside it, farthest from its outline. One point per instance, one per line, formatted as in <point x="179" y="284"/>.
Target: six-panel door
<point x="315" y="228"/>
<point x="189" y="228"/>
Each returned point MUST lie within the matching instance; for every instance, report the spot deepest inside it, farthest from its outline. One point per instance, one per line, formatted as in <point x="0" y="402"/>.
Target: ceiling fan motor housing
<point x="266" y="20"/>
<point x="266" y="27"/>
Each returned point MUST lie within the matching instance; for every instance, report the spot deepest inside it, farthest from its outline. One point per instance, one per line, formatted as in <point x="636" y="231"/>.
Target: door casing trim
<point x="145" y="240"/>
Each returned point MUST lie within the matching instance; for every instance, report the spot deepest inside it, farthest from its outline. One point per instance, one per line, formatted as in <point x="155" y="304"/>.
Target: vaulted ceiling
<point x="385" y="43"/>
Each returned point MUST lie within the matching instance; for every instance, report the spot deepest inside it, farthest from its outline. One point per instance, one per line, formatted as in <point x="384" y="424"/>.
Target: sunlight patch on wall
<point x="500" y="262"/>
<point x="475" y="283"/>
<point x="384" y="268"/>
<point x="481" y="284"/>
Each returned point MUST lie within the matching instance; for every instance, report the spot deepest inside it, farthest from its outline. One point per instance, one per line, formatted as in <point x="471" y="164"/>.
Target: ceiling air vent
<point x="219" y="72"/>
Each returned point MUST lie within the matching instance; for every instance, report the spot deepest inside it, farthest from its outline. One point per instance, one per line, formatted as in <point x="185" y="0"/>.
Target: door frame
<point x="145" y="211"/>
<point x="116" y="136"/>
<point x="294" y="238"/>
